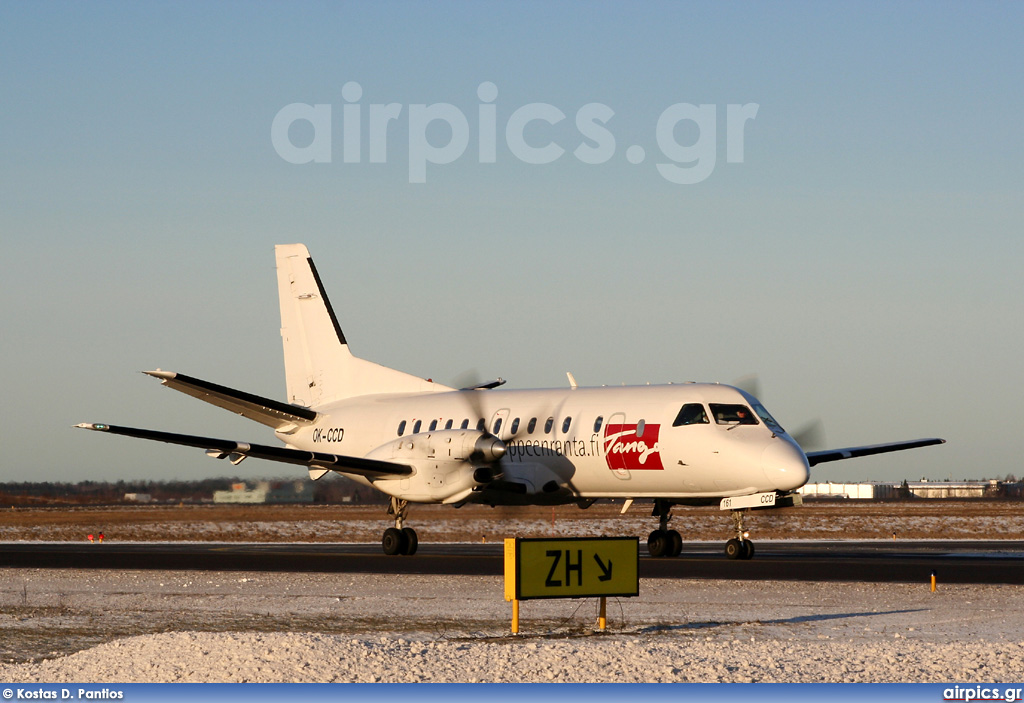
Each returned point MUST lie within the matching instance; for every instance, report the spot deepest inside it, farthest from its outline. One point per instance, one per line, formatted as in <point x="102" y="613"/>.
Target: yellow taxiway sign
<point x="571" y="568"/>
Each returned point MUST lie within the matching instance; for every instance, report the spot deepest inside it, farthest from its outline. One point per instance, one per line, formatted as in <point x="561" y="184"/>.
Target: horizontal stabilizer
<point x="852" y="452"/>
<point x="225" y="448"/>
<point x="272" y="413"/>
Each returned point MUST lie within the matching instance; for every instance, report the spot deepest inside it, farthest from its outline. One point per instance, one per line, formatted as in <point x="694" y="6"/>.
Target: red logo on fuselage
<point x="624" y="450"/>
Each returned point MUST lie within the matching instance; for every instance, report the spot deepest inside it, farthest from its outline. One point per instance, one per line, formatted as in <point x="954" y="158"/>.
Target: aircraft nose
<point x="785" y="465"/>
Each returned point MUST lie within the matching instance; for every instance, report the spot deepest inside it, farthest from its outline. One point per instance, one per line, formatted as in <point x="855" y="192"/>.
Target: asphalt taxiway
<point x="868" y="561"/>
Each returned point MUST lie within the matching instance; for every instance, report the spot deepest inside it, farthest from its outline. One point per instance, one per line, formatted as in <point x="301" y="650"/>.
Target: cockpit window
<point x="691" y="414"/>
<point x="767" y="419"/>
<point x="732" y="414"/>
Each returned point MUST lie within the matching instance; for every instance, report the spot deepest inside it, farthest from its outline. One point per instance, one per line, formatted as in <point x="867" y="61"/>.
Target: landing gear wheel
<point x="739" y="547"/>
<point x="399" y="539"/>
<point x="658" y="543"/>
<point x="409" y="541"/>
<point x="675" y="541"/>
<point x="392" y="541"/>
<point x="664" y="542"/>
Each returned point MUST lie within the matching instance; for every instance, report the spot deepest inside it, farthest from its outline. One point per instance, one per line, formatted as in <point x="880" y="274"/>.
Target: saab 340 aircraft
<point x="423" y="442"/>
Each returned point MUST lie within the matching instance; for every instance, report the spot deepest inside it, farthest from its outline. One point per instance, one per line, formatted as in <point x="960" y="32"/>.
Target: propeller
<point x="470" y="388"/>
<point x="469" y="384"/>
<point x="810" y="436"/>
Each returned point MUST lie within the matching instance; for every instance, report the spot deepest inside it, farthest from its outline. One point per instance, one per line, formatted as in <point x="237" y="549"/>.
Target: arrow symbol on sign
<point x="606" y="570"/>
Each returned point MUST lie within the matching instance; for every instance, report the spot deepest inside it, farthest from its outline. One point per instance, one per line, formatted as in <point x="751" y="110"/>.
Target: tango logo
<point x="632" y="447"/>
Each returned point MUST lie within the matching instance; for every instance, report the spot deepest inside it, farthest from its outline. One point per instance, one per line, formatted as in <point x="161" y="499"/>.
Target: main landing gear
<point x="399" y="539"/>
<point x="664" y="542"/>
<point x="739" y="547"/>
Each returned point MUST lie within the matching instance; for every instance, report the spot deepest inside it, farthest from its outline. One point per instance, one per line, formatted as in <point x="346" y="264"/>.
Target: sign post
<point x="581" y="567"/>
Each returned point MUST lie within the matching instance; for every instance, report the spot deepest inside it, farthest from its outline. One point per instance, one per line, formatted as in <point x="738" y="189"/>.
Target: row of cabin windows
<point x="689" y="414"/>
<point x="531" y="426"/>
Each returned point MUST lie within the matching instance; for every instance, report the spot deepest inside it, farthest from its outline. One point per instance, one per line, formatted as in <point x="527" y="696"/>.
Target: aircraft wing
<point x="851" y="452"/>
<point x="272" y="413"/>
<point x="318" y="462"/>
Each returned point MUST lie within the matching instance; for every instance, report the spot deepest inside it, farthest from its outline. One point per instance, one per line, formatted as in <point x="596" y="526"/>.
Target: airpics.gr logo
<point x="441" y="133"/>
<point x="632" y="447"/>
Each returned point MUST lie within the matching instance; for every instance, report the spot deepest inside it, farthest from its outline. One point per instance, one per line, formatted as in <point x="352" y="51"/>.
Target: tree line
<point x="330" y="489"/>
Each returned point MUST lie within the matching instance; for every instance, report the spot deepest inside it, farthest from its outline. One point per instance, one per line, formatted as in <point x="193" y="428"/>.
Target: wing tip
<point x="161" y="374"/>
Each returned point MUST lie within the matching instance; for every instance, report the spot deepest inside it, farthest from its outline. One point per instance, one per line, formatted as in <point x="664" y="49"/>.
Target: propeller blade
<point x="469" y="385"/>
<point x="810" y="436"/>
<point x="490" y="448"/>
<point x="467" y="382"/>
<point x="469" y="378"/>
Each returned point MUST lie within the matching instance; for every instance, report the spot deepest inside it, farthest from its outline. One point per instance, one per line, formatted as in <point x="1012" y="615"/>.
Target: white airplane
<point x="422" y="442"/>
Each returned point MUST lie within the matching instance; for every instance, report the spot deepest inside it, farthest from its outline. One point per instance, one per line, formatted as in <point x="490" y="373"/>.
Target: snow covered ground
<point x="144" y="626"/>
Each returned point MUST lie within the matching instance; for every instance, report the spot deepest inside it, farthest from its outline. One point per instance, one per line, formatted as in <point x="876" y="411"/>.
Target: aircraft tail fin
<point x="319" y="368"/>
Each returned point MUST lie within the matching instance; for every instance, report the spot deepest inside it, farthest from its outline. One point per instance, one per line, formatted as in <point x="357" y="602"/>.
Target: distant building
<point x="138" y="498"/>
<point x="267" y="492"/>
<point x="857" y="491"/>
<point x="885" y="490"/>
<point x="954" y="489"/>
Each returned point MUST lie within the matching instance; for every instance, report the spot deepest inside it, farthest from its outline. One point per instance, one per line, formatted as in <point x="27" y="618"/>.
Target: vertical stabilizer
<point x="318" y="366"/>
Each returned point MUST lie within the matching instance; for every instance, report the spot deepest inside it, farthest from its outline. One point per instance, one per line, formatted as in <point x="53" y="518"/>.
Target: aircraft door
<point x="498" y="426"/>
<point x="613" y="430"/>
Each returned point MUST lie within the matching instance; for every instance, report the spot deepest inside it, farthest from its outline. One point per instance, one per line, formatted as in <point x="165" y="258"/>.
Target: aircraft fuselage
<point x="568" y="445"/>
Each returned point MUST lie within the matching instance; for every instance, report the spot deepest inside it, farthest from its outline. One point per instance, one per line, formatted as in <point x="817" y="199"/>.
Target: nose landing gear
<point x="399" y="539"/>
<point x="664" y="542"/>
<point x="739" y="547"/>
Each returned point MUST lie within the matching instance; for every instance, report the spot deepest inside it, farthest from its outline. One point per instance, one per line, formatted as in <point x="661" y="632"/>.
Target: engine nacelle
<point x="449" y="464"/>
<point x="536" y="479"/>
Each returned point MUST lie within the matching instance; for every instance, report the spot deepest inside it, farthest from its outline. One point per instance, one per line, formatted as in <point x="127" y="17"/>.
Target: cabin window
<point x="497" y="426"/>
<point x="448" y="425"/>
<point x="481" y="425"/>
<point x="532" y="425"/>
<point x="465" y="424"/>
<point x="416" y="427"/>
<point x="691" y="414"/>
<point x="597" y="424"/>
<point x="401" y="428"/>
<point x="515" y="426"/>
<point x="565" y="425"/>
<point x="732" y="414"/>
<point x="433" y="425"/>
<point x="549" y="424"/>
<point x="640" y="429"/>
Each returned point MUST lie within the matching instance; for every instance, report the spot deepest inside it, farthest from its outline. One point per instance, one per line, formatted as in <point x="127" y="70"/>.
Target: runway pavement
<point x="878" y="561"/>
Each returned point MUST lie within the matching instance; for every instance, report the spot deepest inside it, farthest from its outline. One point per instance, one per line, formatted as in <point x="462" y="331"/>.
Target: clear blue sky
<point x="864" y="258"/>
